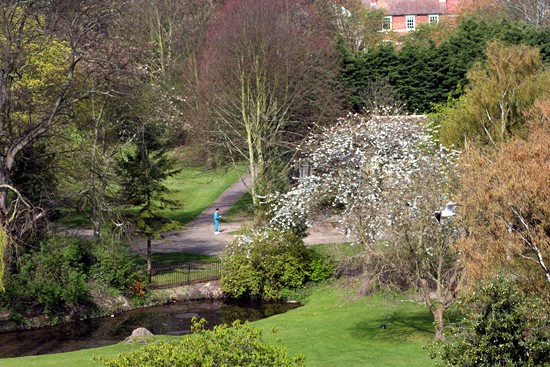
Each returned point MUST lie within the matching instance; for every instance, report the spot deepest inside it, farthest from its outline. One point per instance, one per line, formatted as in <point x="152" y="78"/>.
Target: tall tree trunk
<point x="4" y="180"/>
<point x="149" y="262"/>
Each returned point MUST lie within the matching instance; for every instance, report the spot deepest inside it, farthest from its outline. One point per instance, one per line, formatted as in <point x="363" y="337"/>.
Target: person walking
<point x="217" y="217"/>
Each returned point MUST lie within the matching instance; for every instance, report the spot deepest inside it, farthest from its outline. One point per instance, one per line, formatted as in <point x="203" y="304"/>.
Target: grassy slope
<point x="195" y="190"/>
<point x="81" y="358"/>
<point x="330" y="330"/>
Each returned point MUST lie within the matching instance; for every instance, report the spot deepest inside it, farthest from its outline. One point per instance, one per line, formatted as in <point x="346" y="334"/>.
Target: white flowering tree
<point x="385" y="175"/>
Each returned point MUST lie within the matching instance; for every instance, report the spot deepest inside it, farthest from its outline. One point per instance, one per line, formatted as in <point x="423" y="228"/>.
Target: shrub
<point x="240" y="345"/>
<point x="502" y="327"/>
<point x="115" y="267"/>
<point x="50" y="278"/>
<point x="263" y="263"/>
<point x="320" y="269"/>
<point x="55" y="277"/>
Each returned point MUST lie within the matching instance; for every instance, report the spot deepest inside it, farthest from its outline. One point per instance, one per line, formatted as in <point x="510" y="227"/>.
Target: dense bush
<point x="50" y="278"/>
<point x="320" y="269"/>
<point x="502" y="327"/>
<point x="425" y="73"/>
<point x="115" y="267"/>
<point x="240" y="345"/>
<point x="57" y="276"/>
<point x="263" y="263"/>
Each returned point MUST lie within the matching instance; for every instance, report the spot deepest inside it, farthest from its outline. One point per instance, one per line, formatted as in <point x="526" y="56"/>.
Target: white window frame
<point x="387" y="21"/>
<point x="433" y="19"/>
<point x="410" y="22"/>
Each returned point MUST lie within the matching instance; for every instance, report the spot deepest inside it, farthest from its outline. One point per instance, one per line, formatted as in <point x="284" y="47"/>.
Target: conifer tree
<point x="143" y="172"/>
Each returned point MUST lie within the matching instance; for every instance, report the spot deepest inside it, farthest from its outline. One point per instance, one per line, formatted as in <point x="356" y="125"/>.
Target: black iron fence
<point x="183" y="274"/>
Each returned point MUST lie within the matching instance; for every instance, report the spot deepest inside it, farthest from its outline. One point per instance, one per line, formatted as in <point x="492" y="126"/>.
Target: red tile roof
<point x="413" y="7"/>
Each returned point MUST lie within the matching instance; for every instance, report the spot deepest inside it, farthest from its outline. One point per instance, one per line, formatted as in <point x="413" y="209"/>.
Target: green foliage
<point x="501" y="327"/>
<point x="320" y="269"/>
<point x="359" y="70"/>
<point x="424" y="73"/>
<point x="467" y="45"/>
<point x="240" y="345"/>
<point x="56" y="277"/>
<point x="418" y="75"/>
<point x="150" y="224"/>
<point x="34" y="173"/>
<point x="114" y="266"/>
<point x="500" y="91"/>
<point x="144" y="170"/>
<point x="143" y="173"/>
<point x="45" y="60"/>
<point x="263" y="263"/>
<point x="51" y="278"/>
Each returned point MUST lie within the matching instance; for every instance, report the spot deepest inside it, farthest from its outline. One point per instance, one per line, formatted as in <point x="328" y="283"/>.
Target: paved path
<point x="198" y="237"/>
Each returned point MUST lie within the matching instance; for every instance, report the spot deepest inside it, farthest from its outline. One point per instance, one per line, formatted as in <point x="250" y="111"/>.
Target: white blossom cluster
<point x="241" y="245"/>
<point x="168" y="109"/>
<point x="362" y="167"/>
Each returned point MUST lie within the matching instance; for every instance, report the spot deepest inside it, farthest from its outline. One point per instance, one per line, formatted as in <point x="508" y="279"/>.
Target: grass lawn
<point x="170" y="259"/>
<point x="194" y="189"/>
<point x="334" y="330"/>
<point x="242" y="208"/>
<point x="80" y="358"/>
<point x="167" y="259"/>
<point x="331" y="329"/>
<point x="188" y="273"/>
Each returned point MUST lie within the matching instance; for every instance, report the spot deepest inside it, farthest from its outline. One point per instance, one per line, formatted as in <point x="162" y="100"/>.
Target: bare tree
<point x="381" y="98"/>
<point x="268" y="72"/>
<point x="419" y="251"/>
<point x="530" y="11"/>
<point x="138" y="76"/>
<point x="165" y="37"/>
<point x="357" y="25"/>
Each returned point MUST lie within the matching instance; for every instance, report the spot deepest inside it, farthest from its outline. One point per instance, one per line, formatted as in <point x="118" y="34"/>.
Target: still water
<point x="172" y="319"/>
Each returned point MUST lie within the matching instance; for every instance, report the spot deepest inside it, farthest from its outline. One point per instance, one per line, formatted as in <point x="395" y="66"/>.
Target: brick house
<point x="406" y="15"/>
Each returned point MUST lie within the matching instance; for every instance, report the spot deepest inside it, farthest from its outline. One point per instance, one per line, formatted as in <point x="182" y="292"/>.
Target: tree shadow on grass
<point x="396" y="326"/>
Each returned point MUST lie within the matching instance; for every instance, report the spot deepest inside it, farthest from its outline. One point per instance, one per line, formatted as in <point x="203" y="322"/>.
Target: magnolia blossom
<point x="363" y="168"/>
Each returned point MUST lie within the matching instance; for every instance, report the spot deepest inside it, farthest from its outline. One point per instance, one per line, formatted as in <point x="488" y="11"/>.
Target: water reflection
<point x="173" y="319"/>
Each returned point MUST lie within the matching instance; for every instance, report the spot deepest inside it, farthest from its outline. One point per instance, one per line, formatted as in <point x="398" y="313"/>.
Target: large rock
<point x="139" y="335"/>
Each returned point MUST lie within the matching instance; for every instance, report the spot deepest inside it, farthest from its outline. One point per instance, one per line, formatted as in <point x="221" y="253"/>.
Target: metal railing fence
<point x="184" y="274"/>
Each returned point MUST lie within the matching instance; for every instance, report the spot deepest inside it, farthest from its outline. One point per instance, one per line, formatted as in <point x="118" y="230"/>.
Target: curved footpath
<point x="198" y="237"/>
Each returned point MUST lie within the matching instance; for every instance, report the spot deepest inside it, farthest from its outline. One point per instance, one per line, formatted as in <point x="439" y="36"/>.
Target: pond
<point x="171" y="319"/>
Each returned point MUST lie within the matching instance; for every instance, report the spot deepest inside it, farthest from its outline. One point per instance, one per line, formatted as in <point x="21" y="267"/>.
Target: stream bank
<point x="105" y="304"/>
<point x="172" y="319"/>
